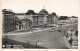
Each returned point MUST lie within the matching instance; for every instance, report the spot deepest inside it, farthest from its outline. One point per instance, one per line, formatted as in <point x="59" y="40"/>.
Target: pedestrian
<point x="11" y="45"/>
<point x="70" y="41"/>
<point x="5" y="45"/>
<point x="38" y="40"/>
<point x="36" y="44"/>
<point x="28" y="44"/>
<point x="67" y="35"/>
<point x="64" y="33"/>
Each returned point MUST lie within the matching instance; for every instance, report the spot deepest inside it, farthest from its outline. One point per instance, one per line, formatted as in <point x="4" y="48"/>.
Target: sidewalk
<point x="26" y="32"/>
<point x="21" y="33"/>
<point x="68" y="44"/>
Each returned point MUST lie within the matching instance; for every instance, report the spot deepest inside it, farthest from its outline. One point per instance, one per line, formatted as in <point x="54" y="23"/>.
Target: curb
<point x="26" y="32"/>
<point x="66" y="42"/>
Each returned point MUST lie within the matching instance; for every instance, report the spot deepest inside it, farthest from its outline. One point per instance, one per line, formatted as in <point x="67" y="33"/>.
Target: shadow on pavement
<point x="24" y="45"/>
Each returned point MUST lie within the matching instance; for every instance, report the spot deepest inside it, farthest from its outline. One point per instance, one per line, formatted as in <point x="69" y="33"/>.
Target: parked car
<point x="34" y="29"/>
<point x="56" y="29"/>
<point x="71" y="29"/>
<point x="59" y="30"/>
<point x="52" y="30"/>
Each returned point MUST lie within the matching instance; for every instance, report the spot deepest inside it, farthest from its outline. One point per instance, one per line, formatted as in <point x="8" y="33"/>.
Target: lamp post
<point x="5" y="41"/>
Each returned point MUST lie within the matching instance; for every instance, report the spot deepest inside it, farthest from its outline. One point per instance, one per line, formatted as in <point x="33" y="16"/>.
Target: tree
<point x="53" y="14"/>
<point x="63" y="18"/>
<point x="17" y="21"/>
<point x="76" y="33"/>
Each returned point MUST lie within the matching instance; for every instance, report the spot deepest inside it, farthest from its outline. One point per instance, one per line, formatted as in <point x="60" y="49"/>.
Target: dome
<point x="54" y="14"/>
<point x="43" y="11"/>
<point x="30" y="12"/>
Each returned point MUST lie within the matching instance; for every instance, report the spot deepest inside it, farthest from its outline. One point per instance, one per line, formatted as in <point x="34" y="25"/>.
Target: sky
<point x="60" y="7"/>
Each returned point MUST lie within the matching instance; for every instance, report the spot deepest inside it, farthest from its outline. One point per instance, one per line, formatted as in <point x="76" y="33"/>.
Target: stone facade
<point x="33" y="19"/>
<point x="63" y="21"/>
<point x="39" y="19"/>
<point x="8" y="20"/>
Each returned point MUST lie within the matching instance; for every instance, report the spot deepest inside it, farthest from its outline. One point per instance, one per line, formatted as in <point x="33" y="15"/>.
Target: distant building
<point x="73" y="19"/>
<point x="63" y="20"/>
<point x="8" y="20"/>
<point x="32" y="19"/>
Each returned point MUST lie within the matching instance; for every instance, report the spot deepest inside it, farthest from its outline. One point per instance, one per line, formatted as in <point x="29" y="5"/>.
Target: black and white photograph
<point x="40" y="24"/>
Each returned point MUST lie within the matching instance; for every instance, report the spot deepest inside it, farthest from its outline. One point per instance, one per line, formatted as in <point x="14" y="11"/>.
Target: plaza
<point x="49" y="40"/>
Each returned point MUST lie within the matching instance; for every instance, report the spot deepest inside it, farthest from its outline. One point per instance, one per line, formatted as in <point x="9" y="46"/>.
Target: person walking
<point x="12" y="45"/>
<point x="70" y="41"/>
<point x="28" y="44"/>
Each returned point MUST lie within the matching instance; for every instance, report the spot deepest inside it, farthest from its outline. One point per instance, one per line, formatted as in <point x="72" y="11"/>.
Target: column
<point x="45" y="19"/>
<point x="21" y="27"/>
<point x="25" y="26"/>
<point x="17" y="26"/>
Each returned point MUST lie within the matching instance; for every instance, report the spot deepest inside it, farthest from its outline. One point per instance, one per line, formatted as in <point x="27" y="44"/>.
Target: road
<point x="50" y="40"/>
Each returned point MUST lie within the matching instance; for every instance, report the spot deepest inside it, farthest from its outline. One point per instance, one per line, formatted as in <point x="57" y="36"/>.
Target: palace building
<point x="27" y="20"/>
<point x="8" y="18"/>
<point x="38" y="19"/>
<point x="73" y="19"/>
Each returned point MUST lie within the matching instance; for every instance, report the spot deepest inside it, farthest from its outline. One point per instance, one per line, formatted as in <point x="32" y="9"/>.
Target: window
<point x="40" y="18"/>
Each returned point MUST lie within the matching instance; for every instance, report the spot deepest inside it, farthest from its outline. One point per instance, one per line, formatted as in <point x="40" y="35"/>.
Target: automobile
<point x="71" y="29"/>
<point x="52" y="30"/>
<point x="59" y="30"/>
<point x="59" y="26"/>
<point x="34" y="29"/>
<point x="56" y="29"/>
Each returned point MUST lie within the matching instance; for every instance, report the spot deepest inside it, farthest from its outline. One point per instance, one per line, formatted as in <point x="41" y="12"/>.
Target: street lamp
<point x="5" y="41"/>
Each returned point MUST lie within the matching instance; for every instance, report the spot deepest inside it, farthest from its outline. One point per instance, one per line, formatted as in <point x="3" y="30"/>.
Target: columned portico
<point x="17" y="27"/>
<point x="45" y="19"/>
<point x="20" y="27"/>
